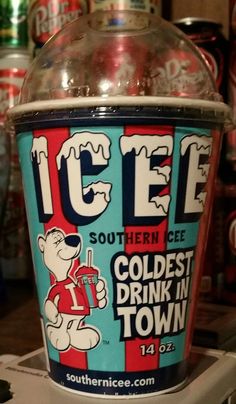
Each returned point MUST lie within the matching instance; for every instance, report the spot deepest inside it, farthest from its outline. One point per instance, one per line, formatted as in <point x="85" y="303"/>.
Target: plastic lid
<point x="110" y="54"/>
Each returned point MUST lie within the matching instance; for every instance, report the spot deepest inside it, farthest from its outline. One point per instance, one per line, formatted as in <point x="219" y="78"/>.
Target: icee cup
<point x="119" y="129"/>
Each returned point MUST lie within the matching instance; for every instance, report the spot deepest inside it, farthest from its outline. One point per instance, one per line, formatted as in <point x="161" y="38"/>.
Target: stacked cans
<point x="47" y="17"/>
<point x="207" y="35"/>
<point x="219" y="271"/>
<point x="231" y="142"/>
<point x="149" y="6"/>
<point x="229" y="176"/>
<point x="14" y="61"/>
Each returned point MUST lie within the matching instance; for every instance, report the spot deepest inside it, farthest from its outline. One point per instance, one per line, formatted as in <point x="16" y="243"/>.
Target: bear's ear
<point x="41" y="243"/>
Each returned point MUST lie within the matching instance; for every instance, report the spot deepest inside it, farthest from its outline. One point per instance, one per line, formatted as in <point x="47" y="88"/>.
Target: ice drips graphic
<point x="79" y="200"/>
<point x="97" y="145"/>
<point x="151" y="145"/>
<point x="39" y="149"/>
<point x="39" y="154"/>
<point x="198" y="170"/>
<point x="144" y="147"/>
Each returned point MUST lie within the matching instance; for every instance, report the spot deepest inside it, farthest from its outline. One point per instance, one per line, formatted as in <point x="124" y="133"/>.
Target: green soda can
<point x="13" y="23"/>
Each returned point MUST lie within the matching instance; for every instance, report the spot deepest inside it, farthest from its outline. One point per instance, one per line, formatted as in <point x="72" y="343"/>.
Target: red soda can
<point x="232" y="19"/>
<point x="229" y="290"/>
<point x="118" y="62"/>
<point x="207" y="35"/>
<point x="212" y="281"/>
<point x="13" y="67"/>
<point x="230" y="141"/>
<point x="47" y="17"/>
<point x="232" y="55"/>
<point x="173" y="71"/>
<point x="87" y="277"/>
<point x="229" y="174"/>
<point x="148" y="6"/>
<point x="15" y="256"/>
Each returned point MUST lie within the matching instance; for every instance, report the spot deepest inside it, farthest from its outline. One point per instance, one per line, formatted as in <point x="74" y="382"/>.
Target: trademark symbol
<point x="106" y="342"/>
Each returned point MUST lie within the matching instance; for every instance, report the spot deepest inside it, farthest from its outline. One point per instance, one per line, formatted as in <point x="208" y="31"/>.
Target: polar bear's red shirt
<point x="71" y="299"/>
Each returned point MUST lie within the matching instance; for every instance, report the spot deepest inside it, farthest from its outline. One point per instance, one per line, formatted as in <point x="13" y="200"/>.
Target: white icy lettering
<point x="97" y="145"/>
<point x="39" y="154"/>
<point x="144" y="147"/>
<point x="198" y="172"/>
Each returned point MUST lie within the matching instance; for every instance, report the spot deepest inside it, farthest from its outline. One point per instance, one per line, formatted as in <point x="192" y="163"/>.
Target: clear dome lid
<point x="118" y="53"/>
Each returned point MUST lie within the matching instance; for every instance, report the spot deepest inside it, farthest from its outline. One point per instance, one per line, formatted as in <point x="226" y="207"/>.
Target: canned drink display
<point x="122" y="71"/>
<point x="4" y="168"/>
<point x="13" y="23"/>
<point x="13" y="67"/>
<point x="149" y="6"/>
<point x="229" y="267"/>
<point x="207" y="35"/>
<point x="175" y="72"/>
<point x="15" y="254"/>
<point x="232" y="18"/>
<point x="47" y="17"/>
<point x="230" y="143"/>
<point x="212" y="281"/>
<point x="228" y="174"/>
<point x="118" y="173"/>
<point x="4" y="178"/>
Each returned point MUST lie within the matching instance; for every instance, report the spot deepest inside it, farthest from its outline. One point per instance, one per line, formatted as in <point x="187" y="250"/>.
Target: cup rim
<point x="217" y="107"/>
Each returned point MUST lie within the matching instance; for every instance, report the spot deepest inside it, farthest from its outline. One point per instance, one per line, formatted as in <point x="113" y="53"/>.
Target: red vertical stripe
<point x="135" y="359"/>
<point x="202" y="240"/>
<point x="55" y="138"/>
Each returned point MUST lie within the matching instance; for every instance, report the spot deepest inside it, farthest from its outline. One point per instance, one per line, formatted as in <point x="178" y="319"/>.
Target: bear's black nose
<point x="72" y="240"/>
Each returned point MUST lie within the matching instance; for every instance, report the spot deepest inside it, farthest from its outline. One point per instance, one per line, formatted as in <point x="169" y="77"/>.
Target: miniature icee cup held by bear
<point x="119" y="129"/>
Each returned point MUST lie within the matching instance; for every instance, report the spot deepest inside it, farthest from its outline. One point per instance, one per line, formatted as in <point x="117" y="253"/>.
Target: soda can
<point x="4" y="178"/>
<point x="121" y="68"/>
<point x="13" y="23"/>
<point x="148" y="6"/>
<point x="232" y="18"/>
<point x="212" y="281"/>
<point x="46" y="18"/>
<point x="230" y="142"/>
<point x="13" y="67"/>
<point x="229" y="175"/>
<point x="229" y="290"/>
<point x="174" y="72"/>
<point x="207" y="35"/>
<point x="88" y="279"/>
<point x="14" y="243"/>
